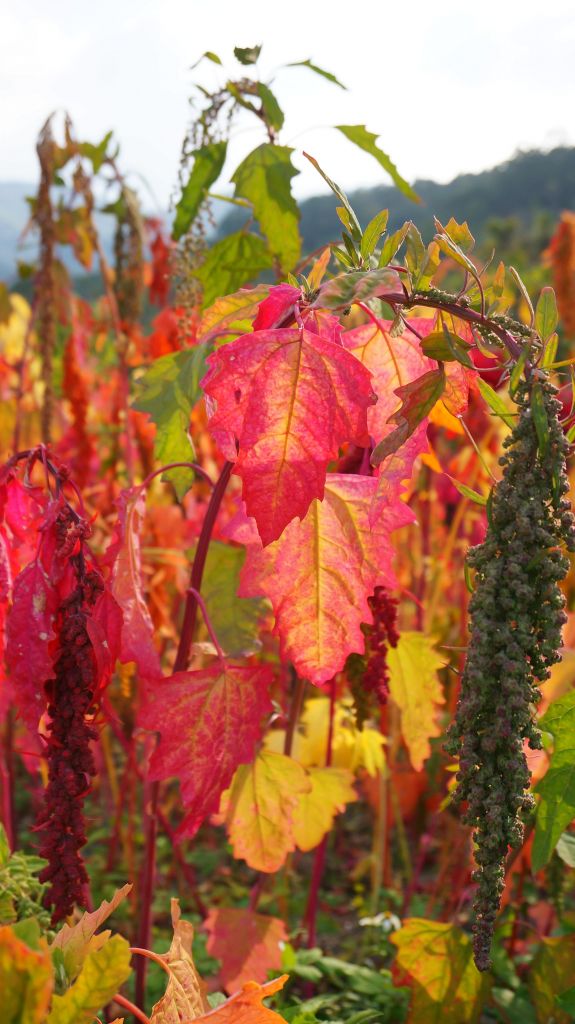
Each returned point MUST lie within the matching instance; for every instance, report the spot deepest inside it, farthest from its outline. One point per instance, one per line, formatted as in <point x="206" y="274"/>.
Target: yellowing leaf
<point x="416" y="690"/>
<point x="76" y="941"/>
<point x="351" y="748"/>
<point x="185" y="995"/>
<point x="258" y="809"/>
<point x="446" y="986"/>
<point x="331" y="789"/>
<point x="26" y="979"/>
<point x="103" y="972"/>
<point x="552" y="973"/>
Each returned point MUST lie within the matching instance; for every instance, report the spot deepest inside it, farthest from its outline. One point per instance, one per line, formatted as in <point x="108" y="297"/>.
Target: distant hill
<point x="527" y="193"/>
<point x="514" y="206"/>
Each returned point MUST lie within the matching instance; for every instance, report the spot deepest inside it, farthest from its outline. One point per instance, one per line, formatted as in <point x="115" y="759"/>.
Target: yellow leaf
<point x="13" y="333"/>
<point x="104" y="970"/>
<point x="552" y="973"/>
<point x="185" y="995"/>
<point x="352" y="748"/>
<point x="26" y="980"/>
<point x="446" y="987"/>
<point x="442" y="417"/>
<point x="331" y="790"/>
<point x="78" y="940"/>
<point x="415" y="688"/>
<point x="258" y="809"/>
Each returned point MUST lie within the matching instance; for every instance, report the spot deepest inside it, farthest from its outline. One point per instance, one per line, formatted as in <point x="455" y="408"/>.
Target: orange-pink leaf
<point x="288" y="398"/>
<point x="209" y="723"/>
<point x="248" y="944"/>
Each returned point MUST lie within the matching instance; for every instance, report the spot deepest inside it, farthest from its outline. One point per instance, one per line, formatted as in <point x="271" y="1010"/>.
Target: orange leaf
<point x="77" y="940"/>
<point x="246" y="1007"/>
<point x="248" y="944"/>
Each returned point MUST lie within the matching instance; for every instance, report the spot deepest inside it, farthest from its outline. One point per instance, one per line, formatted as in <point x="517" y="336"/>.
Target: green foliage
<point x="230" y="263"/>
<point x="208" y="163"/>
<point x="234" y="618"/>
<point x="556" y="808"/>
<point x="359" y="135"/>
<point x="20" y="891"/>
<point x="264" y="179"/>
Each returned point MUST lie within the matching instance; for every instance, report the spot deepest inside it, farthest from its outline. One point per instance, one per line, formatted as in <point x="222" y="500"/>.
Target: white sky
<point x="448" y="86"/>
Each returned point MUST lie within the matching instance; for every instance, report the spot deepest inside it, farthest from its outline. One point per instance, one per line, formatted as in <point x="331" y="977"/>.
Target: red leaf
<point x="210" y="722"/>
<point x="137" y="644"/>
<point x="279" y="304"/>
<point x="248" y="944"/>
<point x="321" y="571"/>
<point x="29" y="634"/>
<point x="417" y="400"/>
<point x="104" y="627"/>
<point x="289" y="398"/>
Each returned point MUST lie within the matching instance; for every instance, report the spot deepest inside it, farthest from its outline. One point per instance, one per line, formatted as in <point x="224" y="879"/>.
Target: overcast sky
<point x="449" y="87"/>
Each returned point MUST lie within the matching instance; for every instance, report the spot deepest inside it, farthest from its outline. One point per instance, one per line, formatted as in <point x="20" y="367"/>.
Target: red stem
<point x="180" y="664"/>
<point x="127" y="1005"/>
<point x="319" y="859"/>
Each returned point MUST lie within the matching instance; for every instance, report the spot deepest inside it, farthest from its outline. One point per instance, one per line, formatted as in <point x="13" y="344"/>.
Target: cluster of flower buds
<point x="70" y="694"/>
<point x="516" y="616"/>
<point x="369" y="675"/>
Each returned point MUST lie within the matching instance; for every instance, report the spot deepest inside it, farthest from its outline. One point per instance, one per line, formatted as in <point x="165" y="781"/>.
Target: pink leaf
<point x="29" y="634"/>
<point x="209" y="723"/>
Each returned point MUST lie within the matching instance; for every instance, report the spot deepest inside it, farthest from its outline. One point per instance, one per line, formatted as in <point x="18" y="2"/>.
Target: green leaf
<point x="208" y="55"/>
<point x="392" y="244"/>
<point x="168" y="392"/>
<point x="96" y="154"/>
<point x="546" y="315"/>
<point x="337" y="191"/>
<point x="318" y="71"/>
<point x="517" y="371"/>
<point x="235" y="619"/>
<point x="495" y="402"/>
<point x="468" y="492"/>
<point x="247" y="54"/>
<point x="232" y="262"/>
<point x="521" y="285"/>
<point x="373" y="233"/>
<point x="566" y="849"/>
<point x="550" y="353"/>
<point x="556" y="809"/>
<point x="73" y="942"/>
<point x="417" y="400"/>
<point x="99" y="980"/>
<point x="459" y="233"/>
<point x="540" y="420"/>
<point x="359" y="135"/>
<point x="358" y="286"/>
<point x="264" y="178"/>
<point x="415" y="253"/>
<point x="231" y="315"/>
<point x="208" y="163"/>
<point x="273" y="113"/>
<point x="552" y="974"/>
<point x="567" y="1001"/>
<point x="447" y="347"/>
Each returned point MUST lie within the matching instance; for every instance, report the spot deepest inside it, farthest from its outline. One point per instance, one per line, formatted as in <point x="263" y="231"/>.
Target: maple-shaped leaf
<point x="258" y="809"/>
<point x="331" y="789"/>
<point x="249" y="945"/>
<point x="185" y="996"/>
<point x="30" y="631"/>
<point x="126" y="584"/>
<point x="26" y="980"/>
<point x="415" y="688"/>
<point x="74" y="942"/>
<point x="246" y="1006"/>
<point x="446" y="986"/>
<point x="209" y="722"/>
<point x="320" y="573"/>
<point x="103" y="971"/>
<point x="395" y="469"/>
<point x="289" y="399"/>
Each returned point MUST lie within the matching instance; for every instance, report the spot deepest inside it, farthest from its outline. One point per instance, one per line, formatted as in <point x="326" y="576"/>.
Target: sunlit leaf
<point x="258" y="809"/>
<point x="318" y="71"/>
<point x="264" y="178"/>
<point x="331" y="790"/>
<point x="231" y="314"/>
<point x="26" y="980"/>
<point x="417" y="400"/>
<point x="232" y="262"/>
<point x="415" y="688"/>
<point x="77" y="940"/>
<point x="358" y="286"/>
<point x="185" y="996"/>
